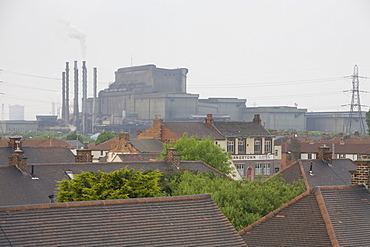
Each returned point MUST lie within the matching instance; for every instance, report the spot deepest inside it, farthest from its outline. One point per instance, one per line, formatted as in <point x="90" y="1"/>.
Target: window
<point x="267" y="146"/>
<point x="342" y="156"/>
<point x="230" y="146"/>
<point x="276" y="152"/>
<point x="241" y="146"/>
<point x="309" y="156"/>
<point x="258" y="170"/>
<point x="257" y="146"/>
<point x="240" y="168"/>
<point x="266" y="169"/>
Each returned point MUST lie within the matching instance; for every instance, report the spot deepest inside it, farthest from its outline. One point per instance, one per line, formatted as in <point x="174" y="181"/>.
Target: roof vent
<point x="311" y="172"/>
<point x="70" y="174"/>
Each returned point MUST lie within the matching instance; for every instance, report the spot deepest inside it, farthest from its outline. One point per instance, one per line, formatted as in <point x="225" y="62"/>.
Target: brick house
<point x="249" y="143"/>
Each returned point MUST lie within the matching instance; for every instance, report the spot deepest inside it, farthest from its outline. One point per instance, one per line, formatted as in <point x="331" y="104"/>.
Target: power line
<point x="36" y="76"/>
<point x="276" y="83"/>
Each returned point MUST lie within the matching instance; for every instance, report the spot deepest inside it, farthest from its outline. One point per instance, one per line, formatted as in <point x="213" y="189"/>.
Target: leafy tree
<point x="193" y="149"/>
<point x="74" y="136"/>
<point x="368" y="121"/>
<point x="105" y="136"/>
<point x="242" y="202"/>
<point x="120" y="184"/>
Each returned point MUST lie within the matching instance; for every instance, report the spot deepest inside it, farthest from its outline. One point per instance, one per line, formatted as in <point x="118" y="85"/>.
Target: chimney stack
<point x="172" y="157"/>
<point x="124" y="136"/>
<point x="94" y="113"/>
<point x="257" y="119"/>
<point x="83" y="155"/>
<point x="66" y="112"/>
<point x="84" y="98"/>
<point x="324" y="154"/>
<point x="209" y="119"/>
<point x="76" y="111"/>
<point x="18" y="160"/>
<point x="361" y="175"/>
<point x="15" y="143"/>
<point x="64" y="96"/>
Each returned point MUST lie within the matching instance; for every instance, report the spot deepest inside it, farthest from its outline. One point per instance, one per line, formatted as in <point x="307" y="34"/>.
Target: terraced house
<point x="249" y="143"/>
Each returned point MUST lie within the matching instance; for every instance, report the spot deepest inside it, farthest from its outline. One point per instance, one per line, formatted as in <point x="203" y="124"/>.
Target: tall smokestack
<point x="64" y="96"/>
<point x="2" y="112"/>
<point x="76" y="111"/>
<point x="94" y="99"/>
<point x="84" y="98"/>
<point x="66" y="112"/>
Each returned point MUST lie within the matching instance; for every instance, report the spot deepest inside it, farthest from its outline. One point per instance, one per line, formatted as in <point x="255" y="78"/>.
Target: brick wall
<point x="361" y="175"/>
<point x="83" y="155"/>
<point x="172" y="157"/>
<point x="18" y="160"/>
<point x="153" y="132"/>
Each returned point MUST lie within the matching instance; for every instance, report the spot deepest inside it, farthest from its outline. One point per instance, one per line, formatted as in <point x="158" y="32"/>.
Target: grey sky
<point x="268" y="52"/>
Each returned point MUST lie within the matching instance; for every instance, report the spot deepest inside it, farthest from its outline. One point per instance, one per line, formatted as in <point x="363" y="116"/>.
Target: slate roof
<point x="241" y="129"/>
<point x="167" y="221"/>
<point x="39" y="155"/>
<point x="345" y="148"/>
<point x="19" y="189"/>
<point x="324" y="216"/>
<point x="48" y="142"/>
<point x="147" y="145"/>
<point x="199" y="129"/>
<point x="139" y="157"/>
<point x="323" y="174"/>
<point x="51" y="155"/>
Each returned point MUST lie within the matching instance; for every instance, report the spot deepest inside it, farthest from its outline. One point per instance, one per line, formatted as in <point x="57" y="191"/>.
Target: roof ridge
<point x="340" y="187"/>
<point x="275" y="212"/>
<point x="105" y="202"/>
<point x="303" y="175"/>
<point x="325" y="215"/>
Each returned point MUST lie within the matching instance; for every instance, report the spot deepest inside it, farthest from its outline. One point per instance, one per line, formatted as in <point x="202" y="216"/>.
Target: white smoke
<point x="76" y="33"/>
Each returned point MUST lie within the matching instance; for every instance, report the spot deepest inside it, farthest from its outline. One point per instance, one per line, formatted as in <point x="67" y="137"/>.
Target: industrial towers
<point x="355" y="114"/>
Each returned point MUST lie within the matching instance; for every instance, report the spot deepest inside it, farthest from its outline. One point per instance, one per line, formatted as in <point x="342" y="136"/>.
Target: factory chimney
<point x="66" y="104"/>
<point x="76" y="110"/>
<point x="84" y="98"/>
<point x="94" y="99"/>
<point x="64" y="96"/>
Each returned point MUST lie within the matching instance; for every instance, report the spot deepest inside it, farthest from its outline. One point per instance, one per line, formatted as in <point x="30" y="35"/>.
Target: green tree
<point x="120" y="184"/>
<point x="73" y="136"/>
<point x="242" y="202"/>
<point x="105" y="136"/>
<point x="193" y="149"/>
<point x="368" y="121"/>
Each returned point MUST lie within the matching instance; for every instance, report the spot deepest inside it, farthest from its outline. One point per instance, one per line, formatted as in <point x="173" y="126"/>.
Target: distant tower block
<point x="355" y="115"/>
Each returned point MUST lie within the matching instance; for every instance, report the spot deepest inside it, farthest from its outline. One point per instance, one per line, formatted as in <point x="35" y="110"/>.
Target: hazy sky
<point x="269" y="52"/>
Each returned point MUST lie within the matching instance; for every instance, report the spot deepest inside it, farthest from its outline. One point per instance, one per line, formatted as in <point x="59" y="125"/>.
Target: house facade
<point x="251" y="146"/>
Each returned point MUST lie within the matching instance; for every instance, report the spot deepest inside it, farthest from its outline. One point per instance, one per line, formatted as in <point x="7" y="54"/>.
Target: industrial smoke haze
<point x="76" y="33"/>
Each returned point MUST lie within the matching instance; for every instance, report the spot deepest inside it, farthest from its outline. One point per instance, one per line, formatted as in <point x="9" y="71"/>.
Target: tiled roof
<point x="241" y="129"/>
<point x="147" y="145"/>
<point x="105" y="146"/>
<point x="345" y="148"/>
<point x="292" y="173"/>
<point x="324" y="216"/>
<point x="19" y="189"/>
<point x="349" y="211"/>
<point x="167" y="221"/>
<point x="48" y="142"/>
<point x="328" y="175"/>
<point x="199" y="129"/>
<point x="139" y="157"/>
<point x="39" y="155"/>
<point x="5" y="153"/>
<point x="323" y="174"/>
<point x="50" y="155"/>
